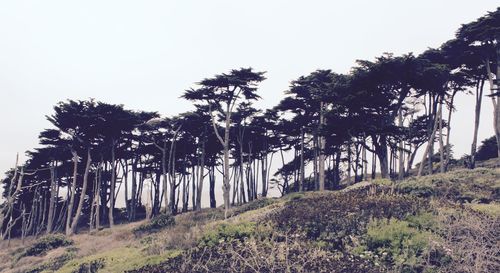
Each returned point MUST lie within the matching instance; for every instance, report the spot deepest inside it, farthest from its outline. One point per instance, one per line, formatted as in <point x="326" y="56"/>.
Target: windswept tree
<point x="222" y="94"/>
<point x="76" y="122"/>
<point x="482" y="38"/>
<point x="380" y="89"/>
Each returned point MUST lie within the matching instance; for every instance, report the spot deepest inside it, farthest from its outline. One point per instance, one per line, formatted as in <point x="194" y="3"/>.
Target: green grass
<point x="481" y="185"/>
<point x="118" y="260"/>
<point x="492" y="209"/>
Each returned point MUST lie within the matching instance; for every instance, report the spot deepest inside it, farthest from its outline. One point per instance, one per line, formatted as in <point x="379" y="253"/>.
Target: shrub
<point x="46" y="243"/>
<point x="471" y="238"/>
<point x="333" y="218"/>
<point x="91" y="266"/>
<point x="382" y="182"/>
<point x="480" y="185"/>
<point x="254" y="255"/>
<point x="395" y="241"/>
<point x="254" y="205"/>
<point x="492" y="209"/>
<point x="228" y="233"/>
<point x="53" y="264"/>
<point x="157" y="223"/>
<point x="488" y="149"/>
<point x="397" y="244"/>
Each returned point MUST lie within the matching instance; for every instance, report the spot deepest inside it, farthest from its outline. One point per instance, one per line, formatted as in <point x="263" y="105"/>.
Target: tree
<point x="222" y="94"/>
<point x="483" y="37"/>
<point x="76" y="121"/>
<point x="380" y="89"/>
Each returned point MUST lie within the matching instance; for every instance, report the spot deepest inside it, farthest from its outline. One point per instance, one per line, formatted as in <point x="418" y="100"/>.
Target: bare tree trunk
<point x="477" y="114"/>
<point x="201" y="176"/>
<point x="495" y="98"/>
<point x="441" y="145"/>
<point x="321" y="163"/>
<point x="448" y="130"/>
<point x="98" y="197"/>
<point x="429" y="142"/>
<point x="349" y="160"/>
<point x="113" y="185"/>
<point x="302" y="165"/>
<point x="374" y="166"/>
<point x="211" y="176"/>
<point x="74" y="224"/>
<point x="365" y="164"/>
<point x="72" y="194"/>
<point x="53" y="196"/>
<point x="401" y="168"/>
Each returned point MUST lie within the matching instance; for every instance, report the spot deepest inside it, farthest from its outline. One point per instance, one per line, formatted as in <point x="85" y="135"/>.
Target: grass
<point x="479" y="185"/>
<point x="367" y="228"/>
<point x="492" y="209"/>
<point x="45" y="244"/>
<point x="118" y="260"/>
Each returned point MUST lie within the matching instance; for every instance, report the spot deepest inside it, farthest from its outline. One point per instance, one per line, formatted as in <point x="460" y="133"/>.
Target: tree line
<point x="329" y="129"/>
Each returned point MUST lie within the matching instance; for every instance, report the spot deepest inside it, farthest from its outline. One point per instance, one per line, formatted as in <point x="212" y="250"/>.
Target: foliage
<point x="228" y="233"/>
<point x="397" y="242"/>
<point x="480" y="184"/>
<point x="46" y="243"/>
<point x="53" y="264"/>
<point x="333" y="218"/>
<point x="90" y="267"/>
<point x="492" y="209"/>
<point x="157" y="223"/>
<point x="254" y="255"/>
<point x="470" y="238"/>
<point x="488" y="149"/>
<point x="254" y="205"/>
<point x="382" y="182"/>
<point x="116" y="260"/>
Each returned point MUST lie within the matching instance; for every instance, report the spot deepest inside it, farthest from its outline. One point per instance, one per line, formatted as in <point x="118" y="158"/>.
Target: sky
<point x="144" y="54"/>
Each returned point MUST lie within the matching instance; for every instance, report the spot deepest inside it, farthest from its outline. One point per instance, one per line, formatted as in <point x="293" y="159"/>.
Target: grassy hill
<point x="440" y="223"/>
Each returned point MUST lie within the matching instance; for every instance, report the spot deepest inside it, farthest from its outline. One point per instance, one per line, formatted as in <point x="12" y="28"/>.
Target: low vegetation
<point x="156" y="224"/>
<point x="419" y="225"/>
<point x="45" y="244"/>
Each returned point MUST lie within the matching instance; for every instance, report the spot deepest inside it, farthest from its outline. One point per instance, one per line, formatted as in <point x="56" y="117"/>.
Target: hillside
<point x="440" y="223"/>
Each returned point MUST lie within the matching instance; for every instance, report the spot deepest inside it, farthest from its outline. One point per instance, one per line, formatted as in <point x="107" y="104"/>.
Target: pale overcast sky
<point x="144" y="54"/>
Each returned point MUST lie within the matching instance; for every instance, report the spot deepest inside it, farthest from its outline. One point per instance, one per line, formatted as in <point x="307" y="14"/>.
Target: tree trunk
<point x="381" y="151"/>
<point x="448" y="131"/>
<point x="201" y="177"/>
<point x="112" y="187"/>
<point x="52" y="202"/>
<point x="211" y="176"/>
<point x="428" y="148"/>
<point x="477" y="114"/>
<point x="401" y="168"/>
<point x="321" y="163"/>
<point x="302" y="165"/>
<point x="441" y="145"/>
<point x="74" y="224"/>
<point x="72" y="194"/>
<point x="164" y="174"/>
<point x="495" y="99"/>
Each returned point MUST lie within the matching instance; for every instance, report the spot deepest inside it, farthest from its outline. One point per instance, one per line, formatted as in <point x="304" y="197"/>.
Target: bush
<point x="46" y="243"/>
<point x="254" y="205"/>
<point x="479" y="185"/>
<point x="333" y="218"/>
<point x="91" y="267"/>
<point x="157" y="223"/>
<point x="492" y="209"/>
<point x="395" y="241"/>
<point x="228" y="233"/>
<point x="254" y="255"/>
<point x="488" y="149"/>
<point x="54" y="263"/>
